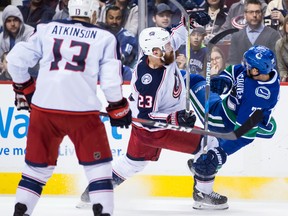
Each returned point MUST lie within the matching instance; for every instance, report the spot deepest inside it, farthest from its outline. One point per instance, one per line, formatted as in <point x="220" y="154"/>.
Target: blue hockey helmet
<point x="261" y="58"/>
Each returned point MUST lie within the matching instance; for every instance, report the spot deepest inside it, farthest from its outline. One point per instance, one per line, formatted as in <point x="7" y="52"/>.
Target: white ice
<point x="137" y="206"/>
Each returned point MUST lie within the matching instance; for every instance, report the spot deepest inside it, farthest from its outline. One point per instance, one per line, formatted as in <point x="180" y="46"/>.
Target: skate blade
<point x="84" y="205"/>
<point x="205" y="206"/>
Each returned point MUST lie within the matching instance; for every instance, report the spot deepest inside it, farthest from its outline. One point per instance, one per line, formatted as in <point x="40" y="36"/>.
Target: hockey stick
<point x="211" y="43"/>
<point x="187" y="18"/>
<point x="253" y="120"/>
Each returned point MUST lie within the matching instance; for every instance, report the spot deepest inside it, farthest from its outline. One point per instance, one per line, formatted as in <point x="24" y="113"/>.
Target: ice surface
<point x="137" y="206"/>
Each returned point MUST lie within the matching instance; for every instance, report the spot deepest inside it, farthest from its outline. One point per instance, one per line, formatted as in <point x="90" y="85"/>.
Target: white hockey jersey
<point x="72" y="56"/>
<point x="158" y="92"/>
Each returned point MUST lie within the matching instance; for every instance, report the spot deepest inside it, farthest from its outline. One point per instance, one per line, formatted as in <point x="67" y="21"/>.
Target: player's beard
<point x="168" y="58"/>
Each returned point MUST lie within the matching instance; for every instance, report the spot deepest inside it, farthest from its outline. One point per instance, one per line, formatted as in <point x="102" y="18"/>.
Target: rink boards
<point x="258" y="171"/>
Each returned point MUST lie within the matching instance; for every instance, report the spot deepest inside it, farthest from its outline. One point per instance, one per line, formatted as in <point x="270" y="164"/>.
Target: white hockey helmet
<point x="153" y="37"/>
<point x="80" y="8"/>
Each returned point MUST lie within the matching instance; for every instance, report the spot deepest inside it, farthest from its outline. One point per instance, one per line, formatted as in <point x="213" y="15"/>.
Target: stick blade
<point x="221" y="35"/>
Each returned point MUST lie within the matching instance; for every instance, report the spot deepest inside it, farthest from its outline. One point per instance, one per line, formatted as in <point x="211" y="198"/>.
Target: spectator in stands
<point x="127" y="41"/>
<point x="255" y="33"/>
<point x="129" y="12"/>
<point x="4" y="75"/>
<point x="25" y="2"/>
<point x="281" y="49"/>
<point x="51" y="4"/>
<point x="198" y="51"/>
<point x="14" y="29"/>
<point x="218" y="61"/>
<point x="151" y="4"/>
<point x="217" y="11"/>
<point x="101" y="10"/>
<point x="162" y="16"/>
<point x="94" y="10"/>
<point x="235" y="16"/>
<point x="275" y="13"/>
<point x="36" y="12"/>
<point x="63" y="13"/>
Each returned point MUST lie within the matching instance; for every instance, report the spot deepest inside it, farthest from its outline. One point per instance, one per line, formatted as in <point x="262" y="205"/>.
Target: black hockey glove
<point x="220" y="85"/>
<point x="23" y="94"/>
<point x="200" y="16"/>
<point x="180" y="118"/>
<point x="208" y="164"/>
<point x="119" y="113"/>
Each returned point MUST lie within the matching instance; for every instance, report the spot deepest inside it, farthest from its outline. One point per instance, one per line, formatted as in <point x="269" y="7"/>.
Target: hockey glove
<point x="220" y="85"/>
<point x="180" y="118"/>
<point x="200" y="16"/>
<point x="21" y="102"/>
<point x="208" y="164"/>
<point x="119" y="113"/>
<point x="23" y="94"/>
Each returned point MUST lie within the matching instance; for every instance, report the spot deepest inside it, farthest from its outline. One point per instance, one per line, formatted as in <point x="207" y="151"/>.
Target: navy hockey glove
<point x="220" y="85"/>
<point x="119" y="113"/>
<point x="180" y="118"/>
<point x="208" y="164"/>
<point x="23" y="94"/>
<point x="200" y="16"/>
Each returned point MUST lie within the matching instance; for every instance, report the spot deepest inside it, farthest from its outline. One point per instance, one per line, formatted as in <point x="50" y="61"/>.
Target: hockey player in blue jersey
<point x="249" y="86"/>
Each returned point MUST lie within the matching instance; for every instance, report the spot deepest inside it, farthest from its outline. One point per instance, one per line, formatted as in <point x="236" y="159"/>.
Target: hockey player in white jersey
<point x="73" y="55"/>
<point x="158" y="94"/>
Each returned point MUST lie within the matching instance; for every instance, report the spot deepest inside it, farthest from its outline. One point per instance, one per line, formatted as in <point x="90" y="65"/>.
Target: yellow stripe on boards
<point x="235" y="187"/>
<point x="64" y="184"/>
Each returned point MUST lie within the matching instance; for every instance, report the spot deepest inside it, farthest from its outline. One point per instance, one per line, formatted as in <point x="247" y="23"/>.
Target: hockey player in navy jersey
<point x="158" y="94"/>
<point x="249" y="86"/>
<point x="73" y="55"/>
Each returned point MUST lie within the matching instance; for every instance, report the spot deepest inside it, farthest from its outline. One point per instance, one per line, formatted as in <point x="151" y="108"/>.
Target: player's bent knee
<point x="38" y="174"/>
<point x="126" y="167"/>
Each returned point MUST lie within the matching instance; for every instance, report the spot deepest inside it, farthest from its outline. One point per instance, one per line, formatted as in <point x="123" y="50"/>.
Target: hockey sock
<point x="204" y="186"/>
<point x="28" y="193"/>
<point x="100" y="185"/>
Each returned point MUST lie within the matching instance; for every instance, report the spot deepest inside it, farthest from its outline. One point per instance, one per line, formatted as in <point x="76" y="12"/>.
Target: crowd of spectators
<point x="260" y="22"/>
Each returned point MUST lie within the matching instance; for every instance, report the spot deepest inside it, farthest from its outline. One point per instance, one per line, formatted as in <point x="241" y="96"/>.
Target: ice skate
<point x="85" y="200"/>
<point x="20" y="210"/>
<point x="212" y="201"/>
<point x="97" y="210"/>
<point x="190" y="165"/>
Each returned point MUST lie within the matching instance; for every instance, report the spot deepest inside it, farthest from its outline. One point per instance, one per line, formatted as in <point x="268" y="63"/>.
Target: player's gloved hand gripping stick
<point x="119" y="113"/>
<point x="180" y="118"/>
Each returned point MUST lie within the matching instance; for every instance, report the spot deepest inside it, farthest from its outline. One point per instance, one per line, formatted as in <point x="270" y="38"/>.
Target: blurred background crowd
<point x="260" y="22"/>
